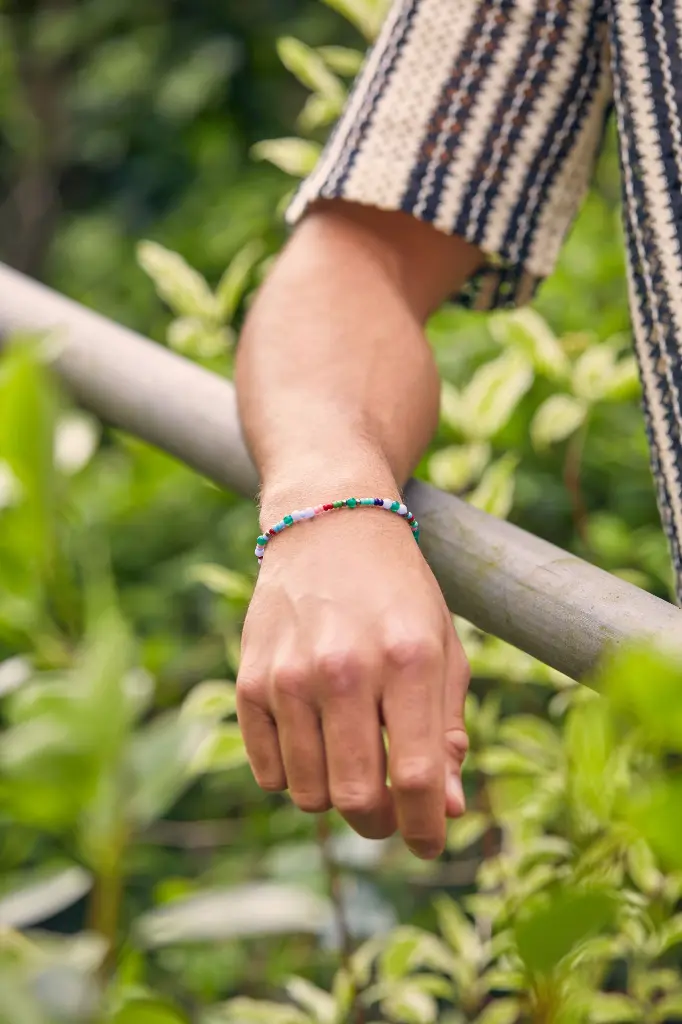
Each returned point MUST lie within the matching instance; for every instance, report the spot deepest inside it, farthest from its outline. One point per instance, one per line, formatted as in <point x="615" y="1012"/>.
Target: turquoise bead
<point x="395" y="506"/>
<point x="288" y="520"/>
<point x="352" y="502"/>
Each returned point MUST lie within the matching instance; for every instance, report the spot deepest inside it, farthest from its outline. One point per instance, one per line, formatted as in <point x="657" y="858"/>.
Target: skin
<point x="348" y="633"/>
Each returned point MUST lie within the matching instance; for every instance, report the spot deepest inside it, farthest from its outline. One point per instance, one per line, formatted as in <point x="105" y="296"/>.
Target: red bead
<point x="328" y="507"/>
<point x="272" y="532"/>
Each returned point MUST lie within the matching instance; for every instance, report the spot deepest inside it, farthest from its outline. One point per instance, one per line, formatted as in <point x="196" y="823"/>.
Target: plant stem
<point x="336" y="894"/>
<point x="104" y="910"/>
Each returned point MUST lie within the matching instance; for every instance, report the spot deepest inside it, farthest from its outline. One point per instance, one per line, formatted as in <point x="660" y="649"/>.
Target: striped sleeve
<point x="483" y="118"/>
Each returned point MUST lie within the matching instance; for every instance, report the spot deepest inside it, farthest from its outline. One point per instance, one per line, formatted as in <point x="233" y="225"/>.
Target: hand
<point x="348" y="632"/>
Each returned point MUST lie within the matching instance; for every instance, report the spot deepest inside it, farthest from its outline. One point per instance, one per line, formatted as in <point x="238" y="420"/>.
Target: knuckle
<point x="291" y="680"/>
<point x="356" y="800"/>
<point x="412" y="651"/>
<point x="457" y="743"/>
<point x="416" y="775"/>
<point x="251" y="688"/>
<point x="340" y="667"/>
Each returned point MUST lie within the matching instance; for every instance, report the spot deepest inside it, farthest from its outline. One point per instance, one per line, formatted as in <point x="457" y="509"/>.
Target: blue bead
<point x="378" y="501"/>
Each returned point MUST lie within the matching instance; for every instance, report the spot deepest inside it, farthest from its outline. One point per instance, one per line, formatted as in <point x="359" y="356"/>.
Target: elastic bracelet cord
<point x="309" y="513"/>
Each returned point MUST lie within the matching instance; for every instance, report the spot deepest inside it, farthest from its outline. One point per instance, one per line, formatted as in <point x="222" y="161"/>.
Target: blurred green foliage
<point x="144" y="879"/>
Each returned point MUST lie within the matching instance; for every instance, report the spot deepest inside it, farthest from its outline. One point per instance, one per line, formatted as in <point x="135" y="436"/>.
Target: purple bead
<point x="378" y="501"/>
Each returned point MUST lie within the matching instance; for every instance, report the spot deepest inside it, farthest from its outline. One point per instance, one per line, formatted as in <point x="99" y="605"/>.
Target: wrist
<point x="311" y="480"/>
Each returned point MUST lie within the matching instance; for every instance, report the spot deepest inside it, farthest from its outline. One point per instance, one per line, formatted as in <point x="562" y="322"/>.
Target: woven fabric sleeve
<point x="646" y="41"/>
<point x="482" y="117"/>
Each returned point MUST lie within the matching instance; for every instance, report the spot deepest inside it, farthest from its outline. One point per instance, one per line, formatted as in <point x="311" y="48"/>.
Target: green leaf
<point x="148" y="1011"/>
<point x="557" y="925"/>
<point x="612" y="1008"/>
<point x="310" y="69"/>
<point x="260" y="908"/>
<point x="223" y="581"/>
<point x="28" y="497"/>
<point x="533" y="737"/>
<point x="456" y="467"/>
<point x="366" y="15"/>
<point x="592" y="372"/>
<point x="35" y="896"/>
<point x="592" y="760"/>
<point x="671" y="933"/>
<point x="214" y="699"/>
<point x="529" y="333"/>
<point x="293" y="156"/>
<point x="76" y="439"/>
<point x="457" y="930"/>
<point x="495" y="492"/>
<point x="655" y="709"/>
<point x="342" y="60"/>
<point x="319" y="1004"/>
<point x="221" y="750"/>
<point x="410" y="1005"/>
<point x="493" y="394"/>
<point x="642" y="867"/>
<point x="623" y="384"/>
<point x="656" y="812"/>
<point x="161" y="761"/>
<point x="178" y="284"/>
<point x="343" y="993"/>
<point x="467" y="830"/>
<point x="504" y="761"/>
<point x="502" y="1011"/>
<point x="362" y="960"/>
<point x="198" y="338"/>
<point x="10" y="489"/>
<point x="556" y="419"/>
<point x="317" y="112"/>
<point x="668" y="1008"/>
<point x="254" y="1011"/>
<point x="236" y="277"/>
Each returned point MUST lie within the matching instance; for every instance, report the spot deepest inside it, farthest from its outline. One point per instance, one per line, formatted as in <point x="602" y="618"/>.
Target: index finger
<point x="413" y="714"/>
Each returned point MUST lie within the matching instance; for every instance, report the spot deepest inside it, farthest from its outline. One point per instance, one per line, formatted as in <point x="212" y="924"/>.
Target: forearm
<point x="336" y="382"/>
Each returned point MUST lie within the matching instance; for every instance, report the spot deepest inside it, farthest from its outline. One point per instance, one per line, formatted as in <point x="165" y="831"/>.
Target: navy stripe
<point x="377" y="87"/>
<point x="652" y="305"/>
<point x="585" y="80"/>
<point x="664" y="127"/>
<point x="451" y="94"/>
<point x="537" y="42"/>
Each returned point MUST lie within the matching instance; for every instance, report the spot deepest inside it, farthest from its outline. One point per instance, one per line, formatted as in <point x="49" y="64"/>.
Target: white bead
<point x="297" y="515"/>
<point x="402" y="511"/>
<point x="259" y="552"/>
<point x="307" y="513"/>
<point x="388" y="502"/>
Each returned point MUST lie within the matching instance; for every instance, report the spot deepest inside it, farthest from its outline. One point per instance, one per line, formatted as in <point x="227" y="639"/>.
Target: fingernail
<point x="455" y="791"/>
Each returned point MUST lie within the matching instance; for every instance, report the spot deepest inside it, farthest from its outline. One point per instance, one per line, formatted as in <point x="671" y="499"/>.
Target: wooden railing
<point x="504" y="580"/>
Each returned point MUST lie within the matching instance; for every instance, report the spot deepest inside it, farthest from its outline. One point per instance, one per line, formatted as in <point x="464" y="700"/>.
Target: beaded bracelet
<point x="309" y="513"/>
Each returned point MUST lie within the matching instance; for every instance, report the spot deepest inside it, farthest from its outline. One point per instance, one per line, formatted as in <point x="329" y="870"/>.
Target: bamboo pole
<point x="506" y="581"/>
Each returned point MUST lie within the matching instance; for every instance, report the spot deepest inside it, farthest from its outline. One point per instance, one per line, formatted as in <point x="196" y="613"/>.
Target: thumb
<point x="457" y="675"/>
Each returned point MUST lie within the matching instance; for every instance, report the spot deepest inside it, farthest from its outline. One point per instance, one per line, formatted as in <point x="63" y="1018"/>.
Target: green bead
<point x="337" y="504"/>
<point x="395" y="506"/>
<point x="416" y="536"/>
<point x="352" y="502"/>
<point x="288" y="520"/>
<point x="262" y="541"/>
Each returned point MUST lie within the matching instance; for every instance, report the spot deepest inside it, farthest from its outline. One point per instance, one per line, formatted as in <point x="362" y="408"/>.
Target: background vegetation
<point x="144" y="879"/>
